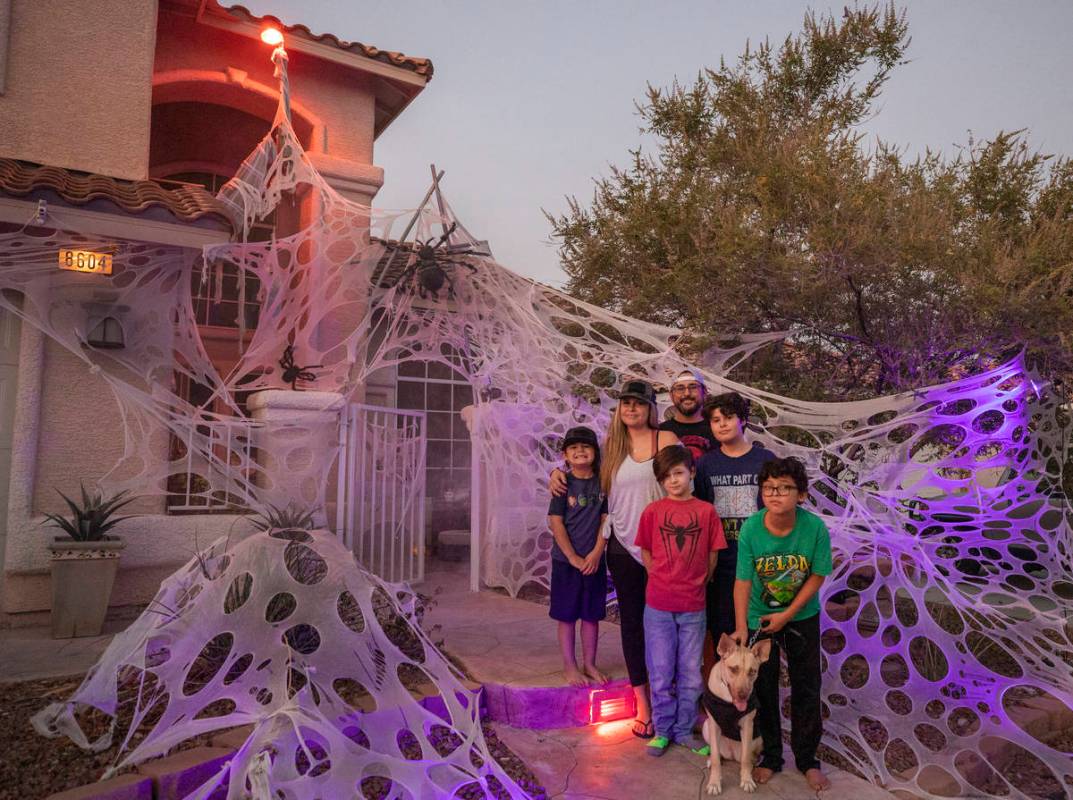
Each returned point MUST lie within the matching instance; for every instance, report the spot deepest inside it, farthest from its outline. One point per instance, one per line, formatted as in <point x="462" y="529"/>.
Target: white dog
<point x="730" y="708"/>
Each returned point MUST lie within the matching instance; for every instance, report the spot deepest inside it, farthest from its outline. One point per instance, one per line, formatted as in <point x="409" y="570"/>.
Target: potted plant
<point x="84" y="562"/>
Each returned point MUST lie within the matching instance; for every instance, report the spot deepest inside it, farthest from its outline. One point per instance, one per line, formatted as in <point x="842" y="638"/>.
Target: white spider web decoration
<point x="947" y="611"/>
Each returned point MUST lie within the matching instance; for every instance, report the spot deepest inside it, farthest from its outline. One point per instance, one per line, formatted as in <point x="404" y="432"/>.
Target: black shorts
<point x="575" y="596"/>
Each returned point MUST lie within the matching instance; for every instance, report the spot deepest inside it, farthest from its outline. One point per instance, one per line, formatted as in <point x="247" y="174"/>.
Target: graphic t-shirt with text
<point x="731" y="484"/>
<point x="679" y="534"/>
<point x="580" y="508"/>
<point x="779" y="565"/>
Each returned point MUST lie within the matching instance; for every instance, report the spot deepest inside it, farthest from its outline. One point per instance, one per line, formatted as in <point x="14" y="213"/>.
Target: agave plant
<point x="288" y="518"/>
<point x="91" y="521"/>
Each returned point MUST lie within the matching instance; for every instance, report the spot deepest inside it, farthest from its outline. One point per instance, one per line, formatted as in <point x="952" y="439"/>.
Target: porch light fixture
<point x="272" y="36"/>
<point x="107" y="335"/>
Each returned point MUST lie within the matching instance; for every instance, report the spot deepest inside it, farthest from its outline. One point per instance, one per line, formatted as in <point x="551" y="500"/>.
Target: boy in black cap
<point x="578" y="572"/>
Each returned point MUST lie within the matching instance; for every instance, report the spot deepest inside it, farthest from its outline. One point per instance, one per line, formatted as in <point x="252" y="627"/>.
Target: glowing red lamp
<point x="606" y="705"/>
<point x="272" y="36"/>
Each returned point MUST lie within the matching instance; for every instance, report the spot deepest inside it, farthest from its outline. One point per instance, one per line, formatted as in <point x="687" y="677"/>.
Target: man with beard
<point x="687" y="421"/>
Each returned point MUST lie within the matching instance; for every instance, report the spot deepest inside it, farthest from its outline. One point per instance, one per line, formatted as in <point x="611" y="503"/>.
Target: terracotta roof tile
<point x="422" y="66"/>
<point x="185" y="202"/>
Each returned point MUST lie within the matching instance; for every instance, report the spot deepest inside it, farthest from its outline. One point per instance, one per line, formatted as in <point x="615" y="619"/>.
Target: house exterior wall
<point x="142" y="55"/>
<point x="339" y="101"/>
<point x="56" y="447"/>
<point x="78" y="85"/>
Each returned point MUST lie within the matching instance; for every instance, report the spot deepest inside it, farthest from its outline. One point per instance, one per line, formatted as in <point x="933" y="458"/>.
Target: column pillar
<point x="299" y="443"/>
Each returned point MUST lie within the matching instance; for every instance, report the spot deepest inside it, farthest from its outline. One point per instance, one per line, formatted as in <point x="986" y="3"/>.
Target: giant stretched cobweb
<point x="946" y="641"/>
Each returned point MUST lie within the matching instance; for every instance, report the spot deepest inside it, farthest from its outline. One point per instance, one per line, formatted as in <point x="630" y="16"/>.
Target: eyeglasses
<point x="777" y="490"/>
<point x="687" y="388"/>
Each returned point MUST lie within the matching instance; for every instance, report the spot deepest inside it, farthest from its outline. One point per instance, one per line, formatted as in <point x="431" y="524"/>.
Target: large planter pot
<point x="82" y="578"/>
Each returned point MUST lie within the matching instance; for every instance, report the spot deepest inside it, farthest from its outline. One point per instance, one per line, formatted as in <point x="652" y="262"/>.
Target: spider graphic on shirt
<point x="682" y="534"/>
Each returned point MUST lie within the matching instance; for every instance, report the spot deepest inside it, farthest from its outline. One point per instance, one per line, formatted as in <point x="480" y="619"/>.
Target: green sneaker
<point x="696" y="744"/>
<point x="658" y="746"/>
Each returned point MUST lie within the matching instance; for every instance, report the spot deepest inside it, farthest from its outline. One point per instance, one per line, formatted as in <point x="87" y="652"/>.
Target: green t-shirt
<point x="779" y="565"/>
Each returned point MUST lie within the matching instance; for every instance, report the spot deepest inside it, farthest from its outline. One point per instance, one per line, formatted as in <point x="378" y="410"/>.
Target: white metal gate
<point x="381" y="516"/>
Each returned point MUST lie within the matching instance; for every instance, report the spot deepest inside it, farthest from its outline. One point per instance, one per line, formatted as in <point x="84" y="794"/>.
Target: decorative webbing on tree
<point x="945" y="618"/>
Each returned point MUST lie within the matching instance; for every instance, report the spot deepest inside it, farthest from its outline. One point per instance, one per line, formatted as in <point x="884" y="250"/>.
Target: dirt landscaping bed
<point x="34" y="766"/>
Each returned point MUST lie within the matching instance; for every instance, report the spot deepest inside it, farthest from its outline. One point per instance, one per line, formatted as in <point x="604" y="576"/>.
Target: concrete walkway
<point x="31" y="653"/>
<point x="605" y="762"/>
<point x="502" y="640"/>
<point x="513" y="643"/>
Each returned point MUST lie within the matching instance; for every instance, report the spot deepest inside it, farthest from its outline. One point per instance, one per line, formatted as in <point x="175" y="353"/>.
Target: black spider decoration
<point x="292" y="373"/>
<point x="431" y="266"/>
<point x="680" y="533"/>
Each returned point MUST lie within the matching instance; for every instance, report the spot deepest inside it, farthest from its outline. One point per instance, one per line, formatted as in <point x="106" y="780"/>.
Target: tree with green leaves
<point x="761" y="209"/>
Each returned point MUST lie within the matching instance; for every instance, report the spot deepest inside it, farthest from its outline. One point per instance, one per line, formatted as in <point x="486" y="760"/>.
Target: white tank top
<point x="633" y="487"/>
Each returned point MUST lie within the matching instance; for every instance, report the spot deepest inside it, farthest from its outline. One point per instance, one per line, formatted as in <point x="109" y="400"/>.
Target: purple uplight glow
<point x="945" y="615"/>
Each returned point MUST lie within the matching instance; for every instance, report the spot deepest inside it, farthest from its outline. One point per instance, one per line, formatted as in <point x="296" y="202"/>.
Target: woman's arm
<point x="557" y="482"/>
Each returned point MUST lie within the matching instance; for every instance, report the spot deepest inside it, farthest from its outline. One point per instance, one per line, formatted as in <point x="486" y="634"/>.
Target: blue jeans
<point x="674" y="648"/>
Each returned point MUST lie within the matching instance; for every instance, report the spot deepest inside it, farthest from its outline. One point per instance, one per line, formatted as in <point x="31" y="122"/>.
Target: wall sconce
<point x="104" y="321"/>
<point x="107" y="335"/>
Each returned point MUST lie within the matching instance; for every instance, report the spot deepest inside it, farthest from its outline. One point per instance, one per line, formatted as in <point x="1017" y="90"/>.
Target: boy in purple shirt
<point x="578" y="571"/>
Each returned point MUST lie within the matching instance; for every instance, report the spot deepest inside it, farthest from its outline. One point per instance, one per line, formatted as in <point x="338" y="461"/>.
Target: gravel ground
<point x="34" y="767"/>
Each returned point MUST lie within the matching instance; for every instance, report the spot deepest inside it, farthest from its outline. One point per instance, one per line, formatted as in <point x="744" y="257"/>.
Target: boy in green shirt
<point x="784" y="554"/>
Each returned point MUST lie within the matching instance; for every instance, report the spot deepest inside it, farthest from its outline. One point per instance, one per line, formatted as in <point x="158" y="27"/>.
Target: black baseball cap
<point x="639" y="390"/>
<point x="581" y="435"/>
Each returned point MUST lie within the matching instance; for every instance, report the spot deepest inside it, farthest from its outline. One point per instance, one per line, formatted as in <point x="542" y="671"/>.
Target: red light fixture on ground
<point x="272" y="36"/>
<point x="607" y="705"/>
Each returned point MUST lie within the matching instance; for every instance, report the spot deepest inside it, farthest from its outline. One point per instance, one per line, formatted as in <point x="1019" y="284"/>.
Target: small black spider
<point x="292" y="373"/>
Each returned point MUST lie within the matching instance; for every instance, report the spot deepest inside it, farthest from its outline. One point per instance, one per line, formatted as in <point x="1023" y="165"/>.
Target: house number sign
<point x="86" y="261"/>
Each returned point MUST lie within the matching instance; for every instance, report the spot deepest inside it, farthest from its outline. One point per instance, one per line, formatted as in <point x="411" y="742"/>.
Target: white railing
<point x="221" y="460"/>
<point x="381" y="516"/>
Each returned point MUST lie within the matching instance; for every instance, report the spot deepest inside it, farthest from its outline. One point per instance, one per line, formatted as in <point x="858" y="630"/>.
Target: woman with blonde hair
<point x="627" y="478"/>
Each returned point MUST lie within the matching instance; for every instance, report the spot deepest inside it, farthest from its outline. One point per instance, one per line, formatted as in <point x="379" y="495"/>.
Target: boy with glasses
<point x="784" y="554"/>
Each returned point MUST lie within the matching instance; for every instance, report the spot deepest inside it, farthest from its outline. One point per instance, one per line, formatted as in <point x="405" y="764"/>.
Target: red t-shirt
<point x="679" y="534"/>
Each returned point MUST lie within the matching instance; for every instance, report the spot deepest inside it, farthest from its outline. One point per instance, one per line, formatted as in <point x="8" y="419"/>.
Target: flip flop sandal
<point x="647" y="729"/>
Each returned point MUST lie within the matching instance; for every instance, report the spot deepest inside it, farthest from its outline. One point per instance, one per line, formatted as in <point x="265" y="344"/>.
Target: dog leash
<point x="759" y="634"/>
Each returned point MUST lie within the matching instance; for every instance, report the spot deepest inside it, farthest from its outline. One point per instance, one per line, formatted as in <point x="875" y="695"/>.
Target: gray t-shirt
<point x="633" y="487"/>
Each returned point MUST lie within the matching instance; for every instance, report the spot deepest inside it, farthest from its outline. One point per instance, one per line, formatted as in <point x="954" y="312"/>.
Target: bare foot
<point x="817" y="781"/>
<point x="575" y="678"/>
<point x="592" y="672"/>
<point x="762" y="774"/>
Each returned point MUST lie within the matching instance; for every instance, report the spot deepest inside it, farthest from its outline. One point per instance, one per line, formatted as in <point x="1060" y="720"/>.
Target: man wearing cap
<point x="687" y="421"/>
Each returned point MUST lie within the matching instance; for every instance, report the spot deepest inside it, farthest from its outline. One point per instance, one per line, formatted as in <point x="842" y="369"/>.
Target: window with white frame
<point x="442" y="393"/>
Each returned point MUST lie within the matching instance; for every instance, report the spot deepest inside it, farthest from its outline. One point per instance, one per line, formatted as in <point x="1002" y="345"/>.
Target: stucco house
<point x="124" y="117"/>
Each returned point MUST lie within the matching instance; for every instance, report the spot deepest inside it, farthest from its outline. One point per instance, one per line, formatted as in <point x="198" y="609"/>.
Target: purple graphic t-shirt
<point x="580" y="508"/>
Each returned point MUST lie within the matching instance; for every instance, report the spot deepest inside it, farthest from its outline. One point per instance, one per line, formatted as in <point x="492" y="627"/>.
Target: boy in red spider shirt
<point x="680" y="537"/>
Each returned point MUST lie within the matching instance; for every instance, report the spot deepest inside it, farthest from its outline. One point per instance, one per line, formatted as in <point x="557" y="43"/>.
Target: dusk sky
<point x="530" y="101"/>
